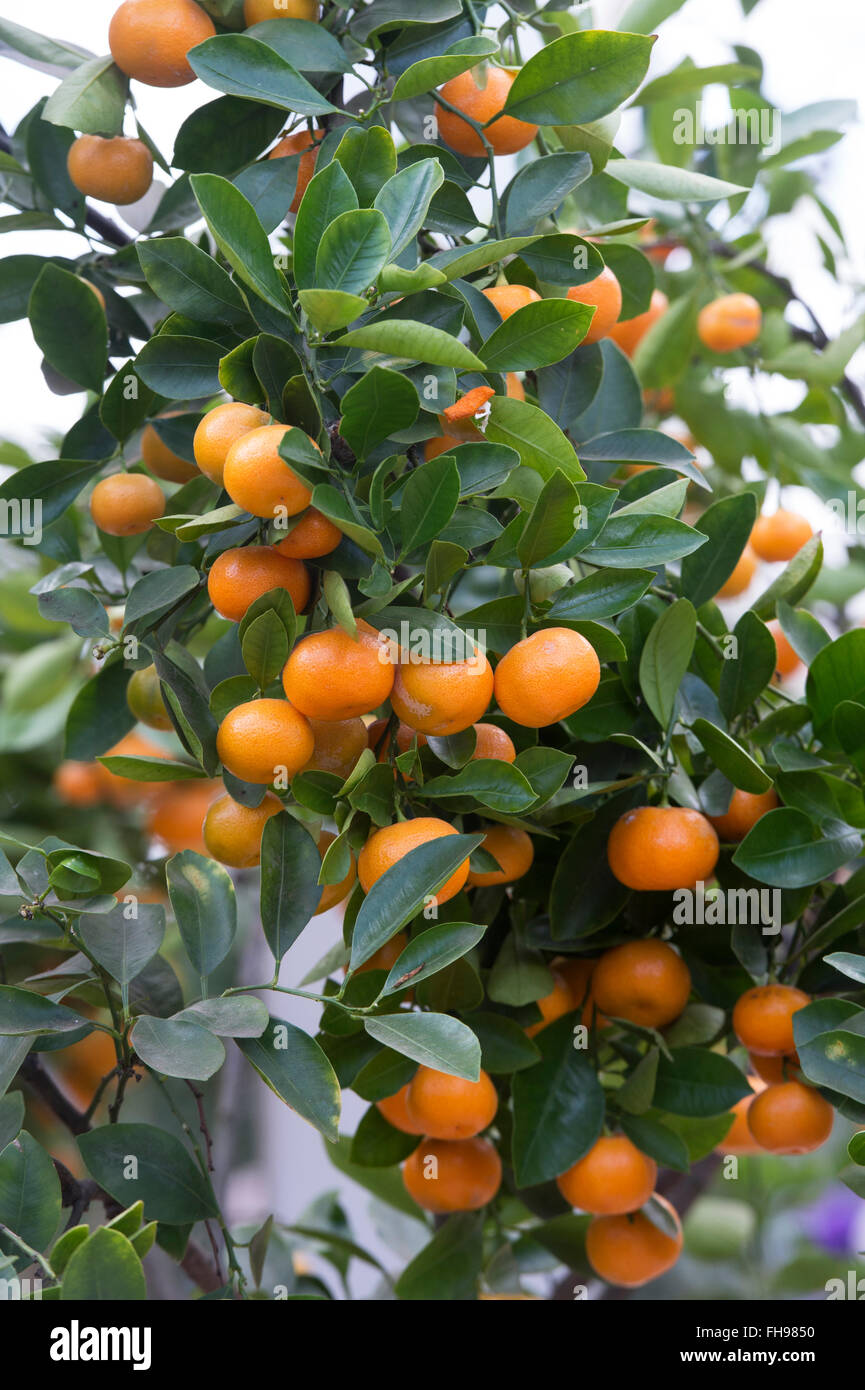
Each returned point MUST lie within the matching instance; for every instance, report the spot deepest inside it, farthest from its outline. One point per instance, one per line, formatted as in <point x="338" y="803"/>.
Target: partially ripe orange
<point x="144" y="698"/>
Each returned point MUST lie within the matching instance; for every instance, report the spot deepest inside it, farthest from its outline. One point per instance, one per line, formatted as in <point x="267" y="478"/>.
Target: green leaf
<point x="69" y="326"/>
<point x="428" y="73"/>
<point x="540" y="188"/>
<point x="460" y="261"/>
<point x="636" y="540"/>
<point x="265" y="648"/>
<point x="731" y="759"/>
<point x="189" y="281"/>
<point x="433" y="1040"/>
<point x="22" y="1012"/>
<point x="180" y="367"/>
<point x="105" y="1267"/>
<point x="558" y="1107"/>
<point x="540" y="443"/>
<point x="202" y="896"/>
<point x="449" y="1267"/>
<point x="745" y="676"/>
<point x="404" y="200"/>
<point x="662" y="356"/>
<point x="121" y="943"/>
<point x="290" y="892"/>
<point x="551" y="522"/>
<point x="29" y="1192"/>
<point x="413" y="341"/>
<point x="242" y="66"/>
<point x="381" y="403"/>
<point x="795" y="581"/>
<point x="328" y="194"/>
<point x="669" y="183"/>
<point x="849" y="964"/>
<point x="241" y="1016"/>
<point x="578" y="78"/>
<point x="690" y="79"/>
<point x="11" y="1118"/>
<point x="368" y="157"/>
<point x="665" y="658"/>
<point x="504" y="1045"/>
<point x="695" y="1082"/>
<point x="655" y="1139"/>
<point x="837" y="674"/>
<point x="728" y="524"/>
<point x="222" y="136"/>
<point x="537" y="335"/>
<point x="91" y="99"/>
<point x="352" y="251"/>
<point x="377" y="1144"/>
<point x="785" y="850"/>
<point x="138" y="1162"/>
<point x="430" y="952"/>
<point x="293" y="1065"/>
<point x="599" y="595"/>
<point x="178" y="1047"/>
<point x="500" y="786"/>
<point x="429" y="501"/>
<point x="328" y="310"/>
<point x="240" y="236"/>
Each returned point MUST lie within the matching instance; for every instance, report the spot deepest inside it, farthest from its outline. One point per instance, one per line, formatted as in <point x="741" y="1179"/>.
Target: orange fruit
<point x="449" y="1107"/>
<point x="773" y="1068"/>
<point x="739" y="1139"/>
<point x="790" y="1118"/>
<point x="177" y="818"/>
<point x="162" y="461"/>
<point x="743" y="573"/>
<point x="786" y="659"/>
<point x="394" y="1108"/>
<point x="256" y="11"/>
<point x="385" y="958"/>
<point x="613" y="1178"/>
<point x="387" y="846"/>
<point x="259" y="738"/>
<point x="780" y="536"/>
<point x="117" y="170"/>
<point x="330" y="676"/>
<point x="631" y="1250"/>
<point x="144" y="698"/>
<point x="442" y="697"/>
<point x="645" y="982"/>
<point x="513" y="849"/>
<point x="338" y="745"/>
<point x="508" y="298"/>
<point x="460" y="1175"/>
<point x="304" y="144"/>
<point x="514" y="387"/>
<point x="440" y="444"/>
<point x="469" y="406"/>
<point x="238" y="577"/>
<point x="258" y="480"/>
<point x="577" y="973"/>
<point x="605" y="293"/>
<point x="730" y="322"/>
<point x="333" y="893"/>
<point x="149" y="39"/>
<point x="218" y="430"/>
<point x="554" y="1005"/>
<point x="380" y="745"/>
<point x="763" y="1018"/>
<point x="128" y="791"/>
<point x="493" y="742"/>
<point x="547" y="677"/>
<point x="232" y="833"/>
<point x="82" y="1066"/>
<point x="313" y="536"/>
<point x="658" y="848"/>
<point x="481" y="98"/>
<point x="78" y="784"/>
<point x="628" y="333"/>
<point x="126" y="504"/>
<point x="744" y="811"/>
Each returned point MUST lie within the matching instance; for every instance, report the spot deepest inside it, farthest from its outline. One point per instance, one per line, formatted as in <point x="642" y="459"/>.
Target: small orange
<point x="256" y="11"/>
<point x="774" y="1068"/>
<point x="744" y="811"/>
<point x="77" y="783"/>
<point x="304" y="144"/>
<point x="330" y="676"/>
<point x="460" y="1175"/>
<point x="338" y="745"/>
<point x="790" y="1118"/>
<point x="144" y="698"/>
<point x="258" y="739"/>
<point x="313" y="536"/>
<point x="645" y="982"/>
<point x="449" y="1107"/>
<point x="547" y="677"/>
<point x="238" y="577"/>
<point x="514" y="387"/>
<point x="513" y="849"/>
<point x="333" y="893"/>
<point x="387" y="846"/>
<point x="739" y="1139"/>
<point x="763" y="1018"/>
<point x="385" y="958"/>
<point x="82" y="1065"/>
<point x="149" y="39"/>
<point x="126" y="504"/>
<point x="481" y="97"/>
<point x="613" y="1178"/>
<point x="730" y="322"/>
<point x="258" y="480"/>
<point x="787" y="660"/>
<point x="177" y="818"/>
<point x="162" y="461"/>
<point x="395" y="1110"/>
<point x="780" y="536"/>
<point x="554" y="1005"/>
<point x="442" y="697"/>
<point x="117" y="170"/>
<point x="628" y="333"/>
<point x="631" y="1250"/>
<point x="656" y="849"/>
<point x="232" y="833"/>
<point x="493" y="742"/>
<point x="605" y="294"/>
<point x="128" y="791"/>
<point x="218" y="430"/>
<point x="508" y="298"/>
<point x="440" y="444"/>
<point x="743" y="573"/>
<point x="578" y="972"/>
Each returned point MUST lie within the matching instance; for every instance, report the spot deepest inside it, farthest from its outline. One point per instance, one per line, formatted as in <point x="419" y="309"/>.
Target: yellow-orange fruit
<point x="333" y="893"/>
<point x="442" y="698"/>
<point x="218" y="430"/>
<point x="126" y="504"/>
<point x="508" y="298"/>
<point x="547" y="677"/>
<point x="117" y="170"/>
<point x="387" y="846"/>
<point x="260" y="738"/>
<point x="162" y="461"/>
<point x="461" y="1175"/>
<point x="149" y="39"/>
<point x="730" y="322"/>
<point x="631" y="1250"/>
<point x="628" y="333"/>
<point x="481" y="97"/>
<point x="330" y="676"/>
<point x="238" y="577"/>
<point x="763" y="1018"/>
<point x="659" y="848"/>
<point x="613" y="1178"/>
<point x="313" y="536"/>
<point x="780" y="536"/>
<point x="744" y="811"/>
<point x="790" y="1118"/>
<point x="512" y="848"/>
<point x="645" y="982"/>
<point x="605" y="294"/>
<point x="301" y="143"/>
<point x="258" y="480"/>
<point x="554" y="1005"/>
<point x="449" y="1107"/>
<point x="745" y="569"/>
<point x="232" y="833"/>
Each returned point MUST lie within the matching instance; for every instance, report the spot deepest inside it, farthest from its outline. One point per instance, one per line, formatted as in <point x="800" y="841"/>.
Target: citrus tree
<point x="372" y="519"/>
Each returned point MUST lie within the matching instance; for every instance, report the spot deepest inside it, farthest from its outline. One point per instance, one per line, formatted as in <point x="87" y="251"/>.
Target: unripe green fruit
<point x="144" y="698"/>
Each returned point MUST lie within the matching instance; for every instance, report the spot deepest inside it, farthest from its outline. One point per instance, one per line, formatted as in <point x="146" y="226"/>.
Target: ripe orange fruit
<point x="385" y="958"/>
<point x="790" y="1118"/>
<point x="577" y="973"/>
<point x="645" y="982"/>
<point x="773" y="1068"/>
<point x="514" y="387"/>
<point x="149" y="39"/>
<point x="77" y="783"/>
<point x="440" y="444"/>
<point x="546" y="677"/>
<point x="763" y="1018"/>
<point x="513" y="849"/>
<point x="508" y="298"/>
<point x="628" y="333"/>
<point x="177" y="817"/>
<point x="218" y="430"/>
<point x="605" y="293"/>
<point x="449" y="1107"/>
<point x="730" y="322"/>
<point x="493" y="742"/>
<point x="256" y="11"/>
<point x="238" y="577"/>
<point x="126" y="504"/>
<point x="780" y="536"/>
<point x="257" y="739"/>
<point x="387" y="846"/>
<point x="330" y="676"/>
<point x="82" y="1066"/>
<point x="613" y="1178"/>
<point x="128" y="791"/>
<point x="461" y="1175"/>
<point x="258" y="480"/>
<point x="302" y="143"/>
<point x="786" y="659"/>
<point x="481" y="98"/>
<point x="144" y="698"/>
<point x="394" y="1108"/>
<point x="313" y="536"/>
<point x="162" y="461"/>
<point x="658" y="848"/>
<point x="554" y="1005"/>
<point x="631" y="1250"/>
<point x="338" y="745"/>
<point x="442" y="697"/>
<point x="333" y="893"/>
<point x="745" y="569"/>
<point x="232" y="833"/>
<point x="118" y="170"/>
<point x="744" y="811"/>
<point x="739" y="1139"/>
